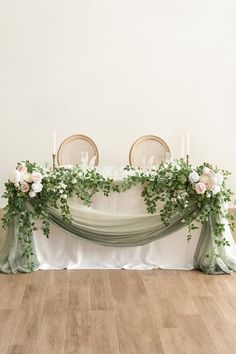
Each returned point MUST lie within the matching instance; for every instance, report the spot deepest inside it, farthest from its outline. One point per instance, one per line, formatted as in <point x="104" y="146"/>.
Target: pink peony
<point x="22" y="168"/>
<point x="24" y="187"/>
<point x="206" y="179"/>
<point x="200" y="188"/>
<point x="37" y="177"/>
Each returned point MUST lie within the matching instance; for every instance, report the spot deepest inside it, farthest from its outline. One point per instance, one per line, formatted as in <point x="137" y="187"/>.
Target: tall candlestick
<point x="187" y="159"/>
<point x="182" y="146"/>
<point x="188" y="136"/>
<point x="53" y="162"/>
<point x="54" y="142"/>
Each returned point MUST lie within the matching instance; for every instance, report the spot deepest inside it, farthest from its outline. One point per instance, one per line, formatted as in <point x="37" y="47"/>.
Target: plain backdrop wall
<point x="116" y="70"/>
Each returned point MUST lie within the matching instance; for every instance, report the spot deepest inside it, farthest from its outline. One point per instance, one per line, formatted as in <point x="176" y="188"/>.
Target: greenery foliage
<point x="168" y="186"/>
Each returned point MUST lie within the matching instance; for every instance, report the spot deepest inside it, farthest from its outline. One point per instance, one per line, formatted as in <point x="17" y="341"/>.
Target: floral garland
<point x="31" y="189"/>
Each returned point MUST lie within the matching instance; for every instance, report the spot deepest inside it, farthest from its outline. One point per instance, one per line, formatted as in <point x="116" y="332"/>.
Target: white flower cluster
<point x="27" y="182"/>
<point x="209" y="182"/>
<point x="174" y="166"/>
<point x="61" y="188"/>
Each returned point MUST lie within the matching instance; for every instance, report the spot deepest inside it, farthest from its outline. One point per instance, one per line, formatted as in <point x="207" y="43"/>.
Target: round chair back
<point x="73" y="148"/>
<point x="148" y="148"/>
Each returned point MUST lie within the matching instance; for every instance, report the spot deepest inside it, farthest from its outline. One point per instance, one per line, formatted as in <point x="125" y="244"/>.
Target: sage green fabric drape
<point x="211" y="258"/>
<point x="12" y="258"/>
<point x="121" y="231"/>
<point x="116" y="230"/>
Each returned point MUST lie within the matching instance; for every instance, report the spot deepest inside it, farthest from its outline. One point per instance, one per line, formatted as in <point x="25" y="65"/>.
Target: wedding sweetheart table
<point x="115" y="229"/>
<point x="119" y="212"/>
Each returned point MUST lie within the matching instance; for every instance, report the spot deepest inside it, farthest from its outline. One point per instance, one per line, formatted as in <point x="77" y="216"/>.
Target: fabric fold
<point x="108" y="229"/>
<point x="116" y="230"/>
<point x="12" y="257"/>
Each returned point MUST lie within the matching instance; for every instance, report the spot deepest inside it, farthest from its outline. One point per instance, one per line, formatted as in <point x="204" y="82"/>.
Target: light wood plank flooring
<point x="117" y="311"/>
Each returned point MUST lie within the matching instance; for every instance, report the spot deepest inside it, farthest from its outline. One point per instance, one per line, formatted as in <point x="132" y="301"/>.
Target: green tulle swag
<point x="176" y="186"/>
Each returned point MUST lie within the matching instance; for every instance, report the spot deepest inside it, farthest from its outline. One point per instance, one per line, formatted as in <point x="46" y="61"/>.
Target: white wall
<point x="116" y="70"/>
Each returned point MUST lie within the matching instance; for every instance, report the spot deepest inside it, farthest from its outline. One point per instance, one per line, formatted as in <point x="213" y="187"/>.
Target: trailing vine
<point x="175" y="189"/>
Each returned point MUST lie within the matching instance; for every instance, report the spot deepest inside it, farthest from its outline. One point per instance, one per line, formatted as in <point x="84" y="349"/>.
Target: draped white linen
<point x="64" y="250"/>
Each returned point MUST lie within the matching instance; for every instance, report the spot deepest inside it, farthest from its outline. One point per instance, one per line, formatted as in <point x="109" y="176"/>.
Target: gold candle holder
<point x="187" y="158"/>
<point x="53" y="162"/>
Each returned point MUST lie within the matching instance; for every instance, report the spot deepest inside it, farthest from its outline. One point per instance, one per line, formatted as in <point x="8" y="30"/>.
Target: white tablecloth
<point x="64" y="250"/>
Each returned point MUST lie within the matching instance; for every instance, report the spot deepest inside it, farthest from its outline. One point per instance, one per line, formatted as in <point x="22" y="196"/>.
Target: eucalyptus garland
<point x="177" y="187"/>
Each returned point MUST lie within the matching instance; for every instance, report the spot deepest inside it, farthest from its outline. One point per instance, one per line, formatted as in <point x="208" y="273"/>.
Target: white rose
<point x="74" y="181"/>
<point x="217" y="179"/>
<point x="178" y="167"/>
<point x="206" y="170"/>
<point x="194" y="177"/>
<point x="32" y="194"/>
<point x="28" y="177"/>
<point x="15" y="177"/>
<point x="37" y="177"/>
<point x="37" y="187"/>
<point x="215" y="189"/>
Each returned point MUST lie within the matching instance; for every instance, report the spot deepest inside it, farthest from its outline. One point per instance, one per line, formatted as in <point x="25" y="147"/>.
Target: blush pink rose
<point x="24" y="187"/>
<point x="22" y="168"/>
<point x="207" y="171"/>
<point x="200" y="188"/>
<point x="37" y="177"/>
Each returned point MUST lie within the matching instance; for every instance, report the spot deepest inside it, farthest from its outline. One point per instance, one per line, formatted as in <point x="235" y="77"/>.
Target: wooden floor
<point x="117" y="311"/>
